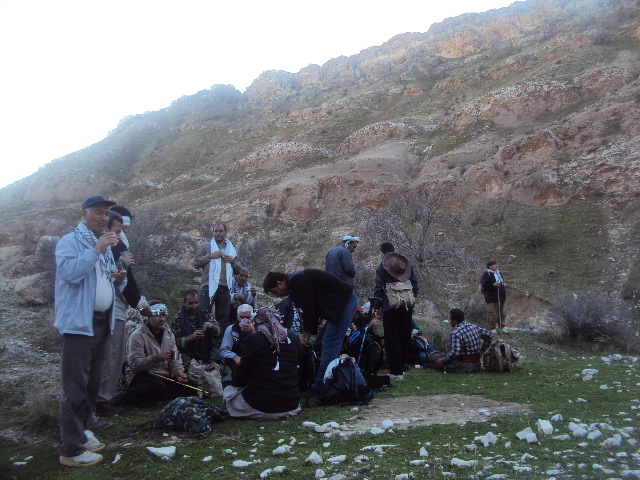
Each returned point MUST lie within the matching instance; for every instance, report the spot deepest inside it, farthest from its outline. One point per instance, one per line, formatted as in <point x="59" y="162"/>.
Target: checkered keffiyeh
<point x="468" y="339"/>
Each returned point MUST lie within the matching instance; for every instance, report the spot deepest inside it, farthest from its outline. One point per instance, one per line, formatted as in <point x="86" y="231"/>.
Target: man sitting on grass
<point x="468" y="341"/>
<point x="155" y="367"/>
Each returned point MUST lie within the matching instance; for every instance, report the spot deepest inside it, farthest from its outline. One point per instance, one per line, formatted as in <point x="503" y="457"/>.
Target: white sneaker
<point x="396" y="378"/>
<point x="85" y="459"/>
<point x="92" y="444"/>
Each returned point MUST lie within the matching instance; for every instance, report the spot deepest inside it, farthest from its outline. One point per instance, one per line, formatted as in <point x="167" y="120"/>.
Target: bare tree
<point x="155" y="249"/>
<point x="410" y="221"/>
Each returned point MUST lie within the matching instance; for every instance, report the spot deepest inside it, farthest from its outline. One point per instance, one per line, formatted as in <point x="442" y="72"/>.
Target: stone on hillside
<point x="557" y="418"/>
<point x="36" y="289"/>
<point x="522" y="434"/>
<point x="314" y="457"/>
<point x="614" y="441"/>
<point x="457" y="462"/>
<point x="319" y="473"/>
<point x="337" y="459"/>
<point x="590" y="371"/>
<point x="165" y="453"/>
<point x="544" y="427"/>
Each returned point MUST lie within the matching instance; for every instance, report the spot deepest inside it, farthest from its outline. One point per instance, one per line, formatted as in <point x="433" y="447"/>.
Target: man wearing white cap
<point x="339" y="260"/>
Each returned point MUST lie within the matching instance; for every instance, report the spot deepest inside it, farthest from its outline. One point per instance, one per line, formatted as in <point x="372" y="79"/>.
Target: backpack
<point x="186" y="414"/>
<point x="420" y="350"/>
<point x="346" y="386"/>
<point x="500" y="357"/>
<point x="400" y="294"/>
<point x="308" y="364"/>
<point x="367" y="352"/>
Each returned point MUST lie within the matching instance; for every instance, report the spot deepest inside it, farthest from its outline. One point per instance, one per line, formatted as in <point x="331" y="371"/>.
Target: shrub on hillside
<point x="596" y="318"/>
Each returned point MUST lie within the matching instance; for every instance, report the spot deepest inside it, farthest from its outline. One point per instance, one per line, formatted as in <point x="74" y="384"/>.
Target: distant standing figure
<point x="339" y="260"/>
<point x="495" y="295"/>
<point x="217" y="259"/>
<point x="468" y="341"/>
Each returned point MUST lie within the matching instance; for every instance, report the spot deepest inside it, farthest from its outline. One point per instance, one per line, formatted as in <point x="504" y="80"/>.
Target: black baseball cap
<point x="96" y="199"/>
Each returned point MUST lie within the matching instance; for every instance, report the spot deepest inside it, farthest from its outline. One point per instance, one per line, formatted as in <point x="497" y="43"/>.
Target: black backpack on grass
<point x="346" y="386"/>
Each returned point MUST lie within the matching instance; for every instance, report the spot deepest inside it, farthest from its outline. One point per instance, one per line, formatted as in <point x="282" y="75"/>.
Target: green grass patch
<point x="550" y="383"/>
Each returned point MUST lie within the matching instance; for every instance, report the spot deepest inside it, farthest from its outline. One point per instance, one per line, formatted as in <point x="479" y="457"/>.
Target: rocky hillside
<point x="526" y="112"/>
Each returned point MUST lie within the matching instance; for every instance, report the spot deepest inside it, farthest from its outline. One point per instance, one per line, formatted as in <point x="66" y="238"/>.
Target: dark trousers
<point x="82" y="359"/>
<point x="146" y="387"/>
<point x="397" y="338"/>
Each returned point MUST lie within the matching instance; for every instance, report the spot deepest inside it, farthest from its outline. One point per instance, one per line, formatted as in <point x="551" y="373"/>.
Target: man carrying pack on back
<point x="394" y="294"/>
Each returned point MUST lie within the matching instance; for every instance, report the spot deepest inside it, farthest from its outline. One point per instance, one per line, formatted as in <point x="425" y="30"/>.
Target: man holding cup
<point x="155" y="367"/>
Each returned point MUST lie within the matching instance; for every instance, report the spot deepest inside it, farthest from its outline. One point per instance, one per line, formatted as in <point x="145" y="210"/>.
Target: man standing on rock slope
<point x="84" y="293"/>
<point x="339" y="260"/>
<point x="495" y="295"/>
<point x="217" y="259"/>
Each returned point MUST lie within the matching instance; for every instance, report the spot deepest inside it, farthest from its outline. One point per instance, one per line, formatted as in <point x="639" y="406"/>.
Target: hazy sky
<point x="71" y="69"/>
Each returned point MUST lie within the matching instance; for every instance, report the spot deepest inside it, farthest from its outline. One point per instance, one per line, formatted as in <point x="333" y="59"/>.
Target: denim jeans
<point x="333" y="338"/>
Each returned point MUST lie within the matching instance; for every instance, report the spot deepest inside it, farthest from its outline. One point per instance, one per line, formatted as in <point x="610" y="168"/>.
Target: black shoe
<point x="406" y="367"/>
<point x="107" y="409"/>
<point x="100" y="425"/>
<point x="313" y="392"/>
<point x="117" y="400"/>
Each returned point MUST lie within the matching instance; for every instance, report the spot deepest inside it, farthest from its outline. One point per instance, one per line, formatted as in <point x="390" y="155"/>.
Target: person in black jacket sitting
<point x="265" y="383"/>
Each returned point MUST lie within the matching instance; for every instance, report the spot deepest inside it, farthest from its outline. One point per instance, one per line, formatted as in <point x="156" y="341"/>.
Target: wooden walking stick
<point x="499" y="312"/>
<point x="180" y="383"/>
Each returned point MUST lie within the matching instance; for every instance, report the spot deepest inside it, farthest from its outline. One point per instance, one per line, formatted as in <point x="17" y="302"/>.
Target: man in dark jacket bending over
<point x="319" y="295"/>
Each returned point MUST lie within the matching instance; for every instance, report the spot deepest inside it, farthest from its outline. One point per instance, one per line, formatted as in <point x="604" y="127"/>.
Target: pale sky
<point x="72" y="69"/>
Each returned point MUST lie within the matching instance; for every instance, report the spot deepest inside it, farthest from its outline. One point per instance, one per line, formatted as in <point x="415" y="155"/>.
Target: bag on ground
<point x="308" y="364"/>
<point x="400" y="294"/>
<point x="366" y="350"/>
<point x="420" y="349"/>
<point x="500" y="357"/>
<point x="346" y="386"/>
<point x="186" y="414"/>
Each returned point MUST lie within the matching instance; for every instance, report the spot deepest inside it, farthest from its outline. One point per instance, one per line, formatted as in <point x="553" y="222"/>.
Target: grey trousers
<point x="81" y="361"/>
<point x="113" y="364"/>
<point x="453" y="367"/>
<point x="496" y="315"/>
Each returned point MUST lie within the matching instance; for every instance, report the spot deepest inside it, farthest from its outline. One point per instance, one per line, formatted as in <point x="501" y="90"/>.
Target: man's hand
<point x="107" y="239"/>
<point x="239" y="297"/>
<point x="304" y="338"/>
<point x="227" y="258"/>
<point x="197" y="335"/>
<point x="253" y="291"/>
<point x="181" y="377"/>
<point x="128" y="259"/>
<point x="120" y="275"/>
<point x="247" y="327"/>
<point x="215" y="254"/>
<point x="236" y="359"/>
<point x="440" y="363"/>
<point x="374" y="322"/>
<point x="164" y="355"/>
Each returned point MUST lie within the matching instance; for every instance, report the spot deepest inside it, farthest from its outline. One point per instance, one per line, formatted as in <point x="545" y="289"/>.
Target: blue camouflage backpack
<point x="186" y="414"/>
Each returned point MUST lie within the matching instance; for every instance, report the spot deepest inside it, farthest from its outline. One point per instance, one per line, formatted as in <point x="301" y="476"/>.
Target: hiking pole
<point x="364" y="336"/>
<point x="180" y="383"/>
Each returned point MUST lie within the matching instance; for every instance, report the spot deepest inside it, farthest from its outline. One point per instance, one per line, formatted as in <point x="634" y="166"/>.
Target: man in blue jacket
<point x="84" y="293"/>
<point x="339" y="260"/>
